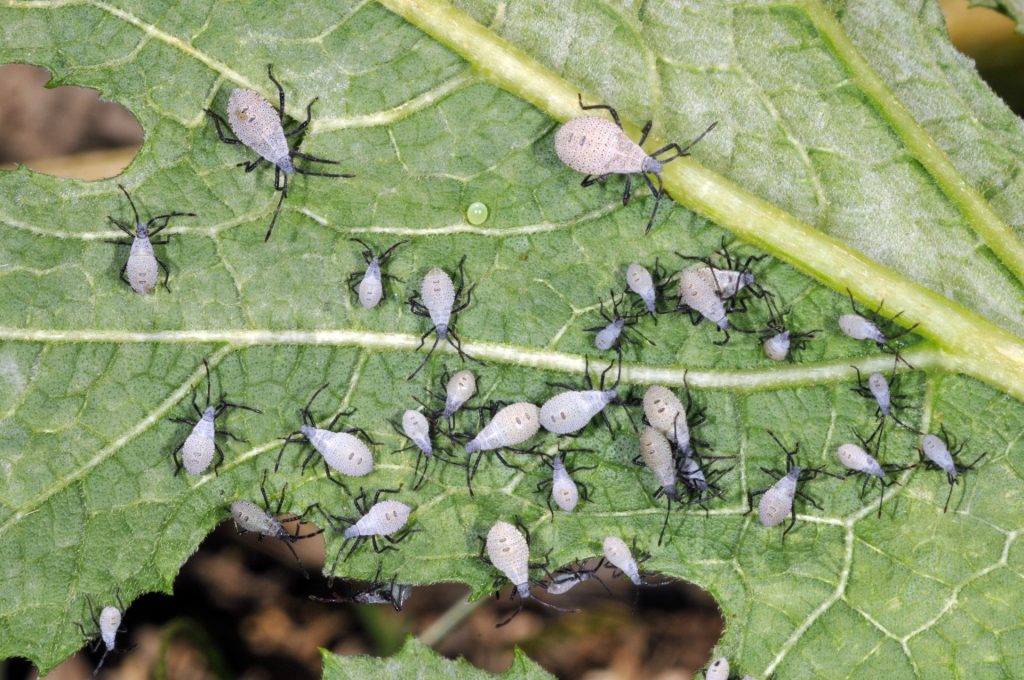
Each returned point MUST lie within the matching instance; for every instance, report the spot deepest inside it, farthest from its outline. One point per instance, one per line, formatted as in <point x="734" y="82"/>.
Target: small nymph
<point x="508" y="551"/>
<point x="250" y="517"/>
<point x="940" y="452"/>
<point x="777" y="500"/>
<point x="141" y="270"/>
<point x="342" y="451"/>
<point x="369" y="285"/>
<point x="198" y="449"/>
<point x="377" y="519"/>
<point x="440" y="301"/>
<point x="510" y="426"/>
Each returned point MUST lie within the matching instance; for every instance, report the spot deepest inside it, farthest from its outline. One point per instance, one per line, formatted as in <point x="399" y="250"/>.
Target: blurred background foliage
<point x="241" y="608"/>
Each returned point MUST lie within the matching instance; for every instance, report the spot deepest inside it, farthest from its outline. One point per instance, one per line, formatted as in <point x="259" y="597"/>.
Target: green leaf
<point x="1011" y="8"/>
<point x="416" y="660"/>
<point x="854" y="145"/>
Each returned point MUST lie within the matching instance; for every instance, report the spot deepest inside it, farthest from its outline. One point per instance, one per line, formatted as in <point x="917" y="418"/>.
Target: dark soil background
<point x="241" y="609"/>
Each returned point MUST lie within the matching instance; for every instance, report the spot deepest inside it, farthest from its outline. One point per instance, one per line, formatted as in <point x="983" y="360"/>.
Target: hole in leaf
<point x="66" y="131"/>
<point x="244" y="603"/>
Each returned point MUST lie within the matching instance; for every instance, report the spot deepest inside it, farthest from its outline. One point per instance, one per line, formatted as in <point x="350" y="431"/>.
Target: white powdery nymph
<point x="344" y="452"/>
<point x="640" y="282"/>
<point x="257" y="125"/>
<point x="383" y="519"/>
<point x="570" y="411"/>
<point x="509" y="553"/>
<point x="417" y="428"/>
<point x="510" y="426"/>
<point x="777" y="502"/>
<point x="198" y="450"/>
<point x="619" y="556"/>
<point x="460" y="389"/>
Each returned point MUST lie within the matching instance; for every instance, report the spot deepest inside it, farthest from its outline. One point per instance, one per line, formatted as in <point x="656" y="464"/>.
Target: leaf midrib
<point x="971" y="344"/>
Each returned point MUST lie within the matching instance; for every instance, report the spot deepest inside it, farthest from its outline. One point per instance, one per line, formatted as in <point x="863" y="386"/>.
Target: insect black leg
<point x="317" y="159"/>
<point x="280" y="90"/>
<point x="167" y="273"/>
<point x="123" y="277"/>
<point x="122" y="227"/>
<point x="792" y="522"/>
<point x="948" y="496"/>
<point x="251" y="165"/>
<point x="177" y="459"/>
<point x="646" y="131"/>
<point x="302" y="126"/>
<point x="217" y="120"/>
<point x="220" y="459"/>
<point x="628" y="190"/>
<point x="615" y="114"/>
<point x="283" y="188"/>
<point x="685" y="151"/>
<point x="590" y="180"/>
<point x="657" y="198"/>
<point x="423" y="363"/>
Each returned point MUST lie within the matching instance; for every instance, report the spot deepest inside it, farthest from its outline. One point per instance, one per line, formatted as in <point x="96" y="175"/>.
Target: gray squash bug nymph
<point x="251" y="518"/>
<point x="777" y="500"/>
<point x="627" y="562"/>
<point x="884" y="392"/>
<point x="341" y="451"/>
<point x="712" y="292"/>
<point x="415" y="426"/>
<point x="106" y="626"/>
<point x="939" y="451"/>
<point x="666" y="413"/>
<point x="368" y="286"/>
<point x="861" y="459"/>
<point x="440" y="301"/>
<point x="700" y="482"/>
<point x="564" y="580"/>
<point x="570" y="411"/>
<point x="599" y="148"/>
<point x="564" y="489"/>
<point x="141" y="270"/>
<point x="619" y="328"/>
<point x="508" y="551"/>
<point x="648" y="286"/>
<point x="258" y="126"/>
<point x="777" y="341"/>
<point x="656" y="454"/>
<point x="874" y="327"/>
<point x="377" y="519"/>
<point x="199" y="447"/>
<point x="388" y="592"/>
<point x="509" y="426"/>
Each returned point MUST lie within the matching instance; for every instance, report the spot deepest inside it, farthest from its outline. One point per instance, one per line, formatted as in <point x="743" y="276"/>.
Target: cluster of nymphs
<point x="710" y="289"/>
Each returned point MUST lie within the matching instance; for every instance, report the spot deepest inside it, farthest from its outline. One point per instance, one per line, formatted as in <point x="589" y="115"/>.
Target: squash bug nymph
<point x="440" y="301"/>
<point x="342" y="452"/>
<point x="415" y="426"/>
<point x="369" y="285"/>
<point x="141" y="270"/>
<point x="620" y="328"/>
<point x="564" y="580"/>
<point x="940" y="452"/>
<point x="777" y="340"/>
<point x="107" y="625"/>
<point x="508" y="551"/>
<point x="570" y="411"/>
<point x="872" y="327"/>
<point x="393" y="593"/>
<point x="884" y="392"/>
<point x="509" y="426"/>
<point x="599" y="148"/>
<point x="777" y="500"/>
<point x="198" y="449"/>
<point x="251" y="518"/>
<point x="377" y="519"/>
<point x="258" y="126"/>
<point x="861" y="459"/>
<point x="564" y="489"/>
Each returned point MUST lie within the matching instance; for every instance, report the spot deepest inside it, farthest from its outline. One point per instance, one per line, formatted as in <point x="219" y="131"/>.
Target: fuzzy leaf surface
<point x="830" y="118"/>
